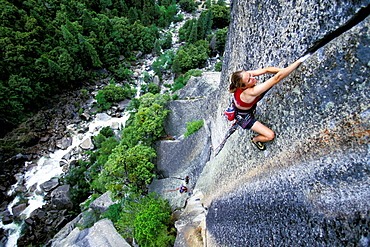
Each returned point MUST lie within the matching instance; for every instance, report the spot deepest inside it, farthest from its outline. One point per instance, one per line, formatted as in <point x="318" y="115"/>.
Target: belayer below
<point x="247" y="93"/>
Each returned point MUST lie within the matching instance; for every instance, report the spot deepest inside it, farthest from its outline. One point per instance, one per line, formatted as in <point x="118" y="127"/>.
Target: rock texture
<point x="102" y="233"/>
<point x="80" y="232"/>
<point x="311" y="187"/>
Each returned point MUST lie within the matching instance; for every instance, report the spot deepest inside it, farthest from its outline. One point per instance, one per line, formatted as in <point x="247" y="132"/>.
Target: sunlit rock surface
<point x="311" y="187"/>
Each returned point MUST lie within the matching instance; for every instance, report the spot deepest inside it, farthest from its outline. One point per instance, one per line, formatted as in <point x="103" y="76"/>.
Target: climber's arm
<point x="271" y="70"/>
<point x="281" y="74"/>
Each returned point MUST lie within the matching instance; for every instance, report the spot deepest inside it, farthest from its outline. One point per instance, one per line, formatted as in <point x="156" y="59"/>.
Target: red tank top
<point x="239" y="101"/>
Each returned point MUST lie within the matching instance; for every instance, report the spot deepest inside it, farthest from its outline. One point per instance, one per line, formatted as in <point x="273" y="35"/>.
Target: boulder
<point x="102" y="203"/>
<point x="20" y="189"/>
<point x="103" y="117"/>
<point x="86" y="116"/>
<point x="7" y="220"/>
<point x="102" y="233"/>
<point x="50" y="185"/>
<point x="64" y="143"/>
<point x="123" y="104"/>
<point x="18" y="209"/>
<point x="60" y="198"/>
<point x="87" y="144"/>
<point x="156" y="80"/>
<point x="115" y="126"/>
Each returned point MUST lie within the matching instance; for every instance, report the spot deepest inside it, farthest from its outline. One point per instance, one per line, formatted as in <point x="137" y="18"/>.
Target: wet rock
<point x="60" y="222"/>
<point x="50" y="185"/>
<point x="7" y="220"/>
<point x="2" y="188"/>
<point x="60" y="198"/>
<point x="18" y="209"/>
<point x="86" y="116"/>
<point x="87" y="144"/>
<point x="29" y="221"/>
<point x="115" y="126"/>
<point x="102" y="116"/>
<point x="40" y="214"/>
<point x="33" y="188"/>
<point x="123" y="104"/>
<point x="20" y="189"/>
<point x="49" y="221"/>
<point x="64" y="143"/>
<point x="3" y="205"/>
<point x="156" y="80"/>
<point x="44" y="139"/>
<point x="51" y="147"/>
<point x="63" y="163"/>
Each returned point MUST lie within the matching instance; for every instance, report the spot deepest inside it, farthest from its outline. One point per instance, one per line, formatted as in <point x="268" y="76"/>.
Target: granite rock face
<point x="102" y="233"/>
<point x="311" y="187"/>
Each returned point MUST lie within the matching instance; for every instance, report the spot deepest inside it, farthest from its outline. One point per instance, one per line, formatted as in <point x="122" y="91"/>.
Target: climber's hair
<point x="236" y="81"/>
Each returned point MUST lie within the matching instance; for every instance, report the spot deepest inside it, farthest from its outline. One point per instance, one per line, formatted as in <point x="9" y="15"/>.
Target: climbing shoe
<point x="259" y="145"/>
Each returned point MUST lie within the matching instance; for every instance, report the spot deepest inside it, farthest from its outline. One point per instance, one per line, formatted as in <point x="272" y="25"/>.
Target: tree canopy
<point x="51" y="46"/>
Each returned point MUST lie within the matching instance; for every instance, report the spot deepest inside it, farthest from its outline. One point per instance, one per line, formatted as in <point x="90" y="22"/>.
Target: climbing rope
<point x="228" y="134"/>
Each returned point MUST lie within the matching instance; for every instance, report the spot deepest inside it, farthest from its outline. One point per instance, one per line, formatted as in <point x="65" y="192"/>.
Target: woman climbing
<point x="247" y="94"/>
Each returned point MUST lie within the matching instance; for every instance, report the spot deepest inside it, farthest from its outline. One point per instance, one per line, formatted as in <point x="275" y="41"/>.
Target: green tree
<point x="167" y="42"/>
<point x="150" y="12"/>
<point x="208" y="22"/>
<point x="88" y="22"/>
<point x="163" y="62"/>
<point x="113" y="93"/>
<point x="146" y="125"/>
<point x="193" y="37"/>
<point x="221" y="16"/>
<point x="157" y="47"/>
<point x="187" y="5"/>
<point x="98" y="160"/>
<point x="191" y="56"/>
<point x="111" y="55"/>
<point x="221" y="35"/>
<point x="128" y="169"/>
<point x="80" y="188"/>
<point x="123" y="73"/>
<point x="148" y="220"/>
<point x="133" y="15"/>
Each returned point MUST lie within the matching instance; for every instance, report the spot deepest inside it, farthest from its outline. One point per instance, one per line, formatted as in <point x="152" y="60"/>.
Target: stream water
<point x="47" y="168"/>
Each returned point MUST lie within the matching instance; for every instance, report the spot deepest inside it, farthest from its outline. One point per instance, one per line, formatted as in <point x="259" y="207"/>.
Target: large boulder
<point x="60" y="198"/>
<point x="50" y="185"/>
<point x="102" y="233"/>
<point x="87" y="144"/>
<point x="101" y="204"/>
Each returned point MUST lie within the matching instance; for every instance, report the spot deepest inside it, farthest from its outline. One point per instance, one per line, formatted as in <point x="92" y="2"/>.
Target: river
<point x="47" y="168"/>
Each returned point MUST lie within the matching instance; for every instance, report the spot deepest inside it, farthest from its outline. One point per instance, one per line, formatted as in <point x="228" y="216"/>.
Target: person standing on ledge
<point x="247" y="93"/>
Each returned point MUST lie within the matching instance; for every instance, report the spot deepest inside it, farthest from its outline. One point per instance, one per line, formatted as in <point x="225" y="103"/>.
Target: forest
<point x="49" y="46"/>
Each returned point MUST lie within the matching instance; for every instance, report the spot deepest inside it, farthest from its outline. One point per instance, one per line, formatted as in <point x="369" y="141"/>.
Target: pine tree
<point x="193" y="37"/>
<point x="208" y="23"/>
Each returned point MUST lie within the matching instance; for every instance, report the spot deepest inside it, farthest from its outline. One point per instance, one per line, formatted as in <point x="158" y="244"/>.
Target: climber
<point x="247" y="93"/>
<point x="181" y="189"/>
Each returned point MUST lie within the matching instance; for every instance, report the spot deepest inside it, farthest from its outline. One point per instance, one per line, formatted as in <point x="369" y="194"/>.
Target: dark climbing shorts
<point x="246" y="118"/>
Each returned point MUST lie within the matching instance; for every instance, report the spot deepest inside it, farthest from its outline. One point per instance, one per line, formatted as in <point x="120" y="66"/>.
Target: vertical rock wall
<point x="311" y="187"/>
